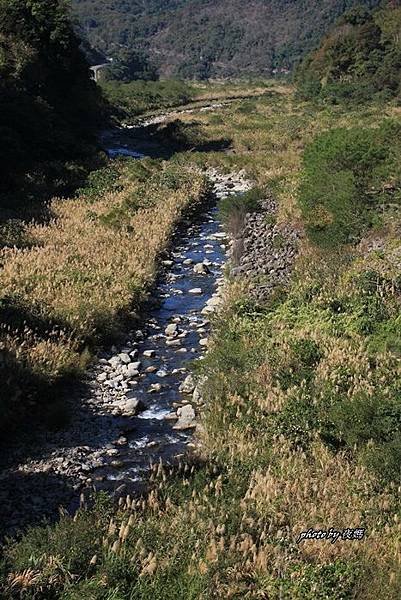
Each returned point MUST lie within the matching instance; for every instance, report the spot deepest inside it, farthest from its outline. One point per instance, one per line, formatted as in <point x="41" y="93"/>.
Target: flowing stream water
<point x="131" y="412"/>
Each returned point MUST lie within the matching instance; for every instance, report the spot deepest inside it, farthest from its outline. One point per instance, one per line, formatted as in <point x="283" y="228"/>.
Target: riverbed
<point x="139" y="402"/>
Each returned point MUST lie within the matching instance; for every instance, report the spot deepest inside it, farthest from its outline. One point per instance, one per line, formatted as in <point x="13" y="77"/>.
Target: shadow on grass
<point x="26" y="397"/>
<point x="165" y="140"/>
<point x="29" y="499"/>
<point x="17" y="316"/>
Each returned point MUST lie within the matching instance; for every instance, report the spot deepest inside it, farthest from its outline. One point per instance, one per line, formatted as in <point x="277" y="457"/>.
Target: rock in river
<point x="188" y="385"/>
<point x="171" y="329"/>
<point x="186" y="418"/>
<point x="201" y="269"/>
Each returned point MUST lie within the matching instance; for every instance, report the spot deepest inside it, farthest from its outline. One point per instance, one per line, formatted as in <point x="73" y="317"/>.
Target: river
<point x="131" y="410"/>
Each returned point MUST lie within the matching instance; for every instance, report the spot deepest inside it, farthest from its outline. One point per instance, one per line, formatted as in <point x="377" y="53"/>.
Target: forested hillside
<point x="49" y="107"/>
<point x="203" y="38"/>
<point x="359" y="59"/>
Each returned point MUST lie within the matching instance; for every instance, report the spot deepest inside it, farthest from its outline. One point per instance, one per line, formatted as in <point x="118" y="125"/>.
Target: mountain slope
<point x="359" y="59"/>
<point x="204" y="38"/>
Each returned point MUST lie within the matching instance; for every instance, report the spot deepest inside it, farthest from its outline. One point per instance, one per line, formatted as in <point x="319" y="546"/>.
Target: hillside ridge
<point x="202" y="39"/>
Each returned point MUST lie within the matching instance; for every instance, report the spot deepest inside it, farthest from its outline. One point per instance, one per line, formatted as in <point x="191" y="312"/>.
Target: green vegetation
<point x="349" y="174"/>
<point x="358" y="60"/>
<point x="129" y="100"/>
<point x="202" y="39"/>
<point x="129" y="65"/>
<point x="49" y="107"/>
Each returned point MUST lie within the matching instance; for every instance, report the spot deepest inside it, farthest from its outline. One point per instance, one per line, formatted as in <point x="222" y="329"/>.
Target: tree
<point x="48" y="104"/>
<point x="130" y="65"/>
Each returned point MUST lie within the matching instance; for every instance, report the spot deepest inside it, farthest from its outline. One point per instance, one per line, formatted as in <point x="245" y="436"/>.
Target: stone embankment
<point x="264" y="251"/>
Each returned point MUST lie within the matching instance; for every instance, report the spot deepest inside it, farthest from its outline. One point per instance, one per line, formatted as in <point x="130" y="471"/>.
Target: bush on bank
<point x="349" y="174"/>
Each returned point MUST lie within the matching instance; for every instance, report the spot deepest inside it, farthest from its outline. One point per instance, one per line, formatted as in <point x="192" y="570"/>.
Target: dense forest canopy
<point x="204" y="38"/>
<point x="360" y="58"/>
<point x="48" y="104"/>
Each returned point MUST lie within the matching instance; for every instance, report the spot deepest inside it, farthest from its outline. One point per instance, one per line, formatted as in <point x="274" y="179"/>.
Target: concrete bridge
<point x="96" y="69"/>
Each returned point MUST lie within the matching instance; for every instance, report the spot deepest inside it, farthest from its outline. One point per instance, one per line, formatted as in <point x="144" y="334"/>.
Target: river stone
<point x="162" y="373"/>
<point x="186" y="412"/>
<point x="125" y="358"/>
<point x="195" y="291"/>
<point x="201" y="269"/>
<point x="186" y="418"/>
<point x="171" y="329"/>
<point x="155" y="387"/>
<point x="122" y="441"/>
<point x="197" y="396"/>
<point x="171" y="416"/>
<point x="187" y="261"/>
<point x="151" y="369"/>
<point x="129" y="407"/>
<point x="149" y="353"/>
<point x="114" y="361"/>
<point x="203" y="342"/>
<point x="168" y="263"/>
<point x="102" y="377"/>
<point x="112" y="452"/>
<point x="188" y="385"/>
<point x="132" y="371"/>
<point x="173" y="342"/>
<point x="211" y="305"/>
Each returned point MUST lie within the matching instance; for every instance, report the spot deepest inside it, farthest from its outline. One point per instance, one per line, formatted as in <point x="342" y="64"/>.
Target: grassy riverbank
<point x="303" y="427"/>
<point x="131" y="100"/>
<point x="76" y="280"/>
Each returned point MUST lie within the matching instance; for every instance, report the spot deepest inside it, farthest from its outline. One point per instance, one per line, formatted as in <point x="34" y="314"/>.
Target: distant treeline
<point x="204" y="39"/>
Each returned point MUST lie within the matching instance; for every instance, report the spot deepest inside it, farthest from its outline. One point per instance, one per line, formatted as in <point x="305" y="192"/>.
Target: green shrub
<point x="343" y="175"/>
<point x="100" y="182"/>
<point x="372" y="425"/>
<point x="232" y="210"/>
